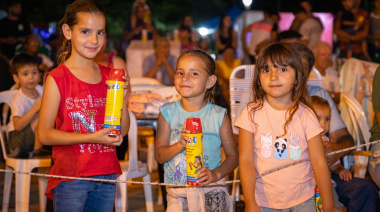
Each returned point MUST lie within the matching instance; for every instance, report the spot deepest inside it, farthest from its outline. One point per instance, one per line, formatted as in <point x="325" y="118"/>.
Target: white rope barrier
<point x="177" y="184"/>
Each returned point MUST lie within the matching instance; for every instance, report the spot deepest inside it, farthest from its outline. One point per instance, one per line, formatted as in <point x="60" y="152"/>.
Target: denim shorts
<point x="80" y="195"/>
<point x="308" y="205"/>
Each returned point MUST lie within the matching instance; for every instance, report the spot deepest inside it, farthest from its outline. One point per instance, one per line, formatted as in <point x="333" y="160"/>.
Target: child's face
<point x="88" y="35"/>
<point x="191" y="79"/>
<point x="28" y="77"/>
<point x="324" y="117"/>
<point x="277" y="82"/>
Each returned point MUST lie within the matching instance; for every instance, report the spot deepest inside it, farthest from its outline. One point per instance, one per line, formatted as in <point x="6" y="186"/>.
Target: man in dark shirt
<point x="13" y="29"/>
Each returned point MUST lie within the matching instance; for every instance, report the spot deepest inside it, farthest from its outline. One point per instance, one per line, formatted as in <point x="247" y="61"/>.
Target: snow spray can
<point x="194" y="149"/>
<point x="114" y="103"/>
<point x="318" y="200"/>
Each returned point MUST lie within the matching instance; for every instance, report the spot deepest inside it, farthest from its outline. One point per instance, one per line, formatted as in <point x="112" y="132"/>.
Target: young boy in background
<point x="25" y="106"/>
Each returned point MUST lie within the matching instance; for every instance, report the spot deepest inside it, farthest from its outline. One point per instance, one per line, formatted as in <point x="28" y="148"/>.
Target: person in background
<point x="374" y="164"/>
<point x="355" y="193"/>
<point x="225" y="35"/>
<point x="310" y="29"/>
<point x="195" y="81"/>
<point x="330" y="78"/>
<point x="362" y="33"/>
<point x="25" y="106"/>
<point x="306" y="4"/>
<point x="147" y="13"/>
<point x="204" y="45"/>
<point x="278" y="128"/>
<point x="44" y="62"/>
<point x="134" y="32"/>
<point x="350" y="25"/>
<point x="185" y="38"/>
<point x="161" y="64"/>
<point x="224" y="69"/>
<point x="289" y="36"/>
<point x="265" y="29"/>
<point x="13" y="29"/>
<point x="188" y="22"/>
<point x="374" y="33"/>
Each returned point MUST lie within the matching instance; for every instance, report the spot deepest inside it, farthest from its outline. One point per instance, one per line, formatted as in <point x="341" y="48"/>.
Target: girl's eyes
<point x="85" y="31"/>
<point x="101" y="33"/>
<point x="327" y="119"/>
<point x="282" y="70"/>
<point x="179" y="73"/>
<point x="265" y="70"/>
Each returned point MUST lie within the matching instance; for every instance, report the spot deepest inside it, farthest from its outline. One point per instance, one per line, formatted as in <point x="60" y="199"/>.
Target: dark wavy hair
<point x="209" y="66"/>
<point x="70" y="18"/>
<point x="281" y="54"/>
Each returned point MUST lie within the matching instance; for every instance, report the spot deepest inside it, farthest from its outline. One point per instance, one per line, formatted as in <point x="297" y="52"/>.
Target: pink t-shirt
<point x="293" y="185"/>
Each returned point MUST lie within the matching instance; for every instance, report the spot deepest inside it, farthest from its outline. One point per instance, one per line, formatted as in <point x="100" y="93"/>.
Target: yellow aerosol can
<point x="194" y="149"/>
<point x="115" y="98"/>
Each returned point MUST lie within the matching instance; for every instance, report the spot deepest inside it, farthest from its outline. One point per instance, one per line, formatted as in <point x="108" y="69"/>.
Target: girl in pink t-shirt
<point x="279" y="128"/>
<point x="73" y="107"/>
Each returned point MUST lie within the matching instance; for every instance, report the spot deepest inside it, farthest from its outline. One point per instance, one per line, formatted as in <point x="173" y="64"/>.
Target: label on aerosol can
<point x="194" y="149"/>
<point x="115" y="98"/>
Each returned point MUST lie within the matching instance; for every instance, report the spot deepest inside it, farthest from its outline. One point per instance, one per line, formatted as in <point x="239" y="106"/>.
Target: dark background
<point x="167" y="14"/>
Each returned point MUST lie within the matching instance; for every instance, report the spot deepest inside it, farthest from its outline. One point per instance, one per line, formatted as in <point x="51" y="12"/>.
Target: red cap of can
<point x="194" y="125"/>
<point x="117" y="75"/>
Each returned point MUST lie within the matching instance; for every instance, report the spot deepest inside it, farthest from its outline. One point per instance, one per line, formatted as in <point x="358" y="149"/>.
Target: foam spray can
<point x="115" y="98"/>
<point x="194" y="149"/>
<point x="318" y="200"/>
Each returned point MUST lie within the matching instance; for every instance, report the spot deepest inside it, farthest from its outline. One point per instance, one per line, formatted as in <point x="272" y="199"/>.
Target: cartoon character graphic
<point x="197" y="164"/>
<point x="180" y="172"/>
<point x="295" y="148"/>
<point x="280" y="148"/>
<point x="266" y="145"/>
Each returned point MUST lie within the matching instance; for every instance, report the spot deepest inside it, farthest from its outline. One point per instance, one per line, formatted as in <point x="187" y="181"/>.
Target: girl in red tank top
<point x="72" y="110"/>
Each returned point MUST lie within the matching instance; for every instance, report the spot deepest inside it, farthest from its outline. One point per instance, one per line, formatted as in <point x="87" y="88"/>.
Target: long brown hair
<point x="209" y="66"/>
<point x="281" y="54"/>
<point x="70" y="18"/>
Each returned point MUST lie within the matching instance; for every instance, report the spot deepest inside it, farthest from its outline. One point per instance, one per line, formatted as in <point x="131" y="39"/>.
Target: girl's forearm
<point x="125" y="120"/>
<point x="58" y="137"/>
<point x="228" y="166"/>
<point x="323" y="180"/>
<point x="166" y="153"/>
<point x="248" y="182"/>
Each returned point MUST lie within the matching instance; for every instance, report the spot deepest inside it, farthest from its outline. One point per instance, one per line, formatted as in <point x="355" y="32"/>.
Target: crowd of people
<point x="282" y="118"/>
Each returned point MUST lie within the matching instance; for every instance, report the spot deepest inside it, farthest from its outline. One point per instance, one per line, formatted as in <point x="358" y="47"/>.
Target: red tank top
<point x="81" y="109"/>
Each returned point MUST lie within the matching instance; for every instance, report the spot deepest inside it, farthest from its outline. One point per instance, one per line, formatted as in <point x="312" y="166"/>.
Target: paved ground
<point x="136" y="200"/>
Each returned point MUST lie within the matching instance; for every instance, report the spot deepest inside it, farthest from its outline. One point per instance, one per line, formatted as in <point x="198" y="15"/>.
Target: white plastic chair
<point x="317" y="78"/>
<point x="133" y="169"/>
<point x="23" y="165"/>
<point x="359" y="128"/>
<point x="237" y="88"/>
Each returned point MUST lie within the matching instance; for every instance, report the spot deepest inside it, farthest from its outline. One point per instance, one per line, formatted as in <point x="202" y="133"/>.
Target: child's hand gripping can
<point x="194" y="149"/>
<point x="115" y="98"/>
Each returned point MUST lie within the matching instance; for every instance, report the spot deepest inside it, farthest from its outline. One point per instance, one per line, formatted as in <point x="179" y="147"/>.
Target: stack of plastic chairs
<point x="237" y="88"/>
<point x="23" y="165"/>
<point x="358" y="127"/>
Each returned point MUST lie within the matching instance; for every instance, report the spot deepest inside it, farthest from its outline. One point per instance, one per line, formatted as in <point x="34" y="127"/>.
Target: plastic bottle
<point x="194" y="149"/>
<point x="115" y="98"/>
